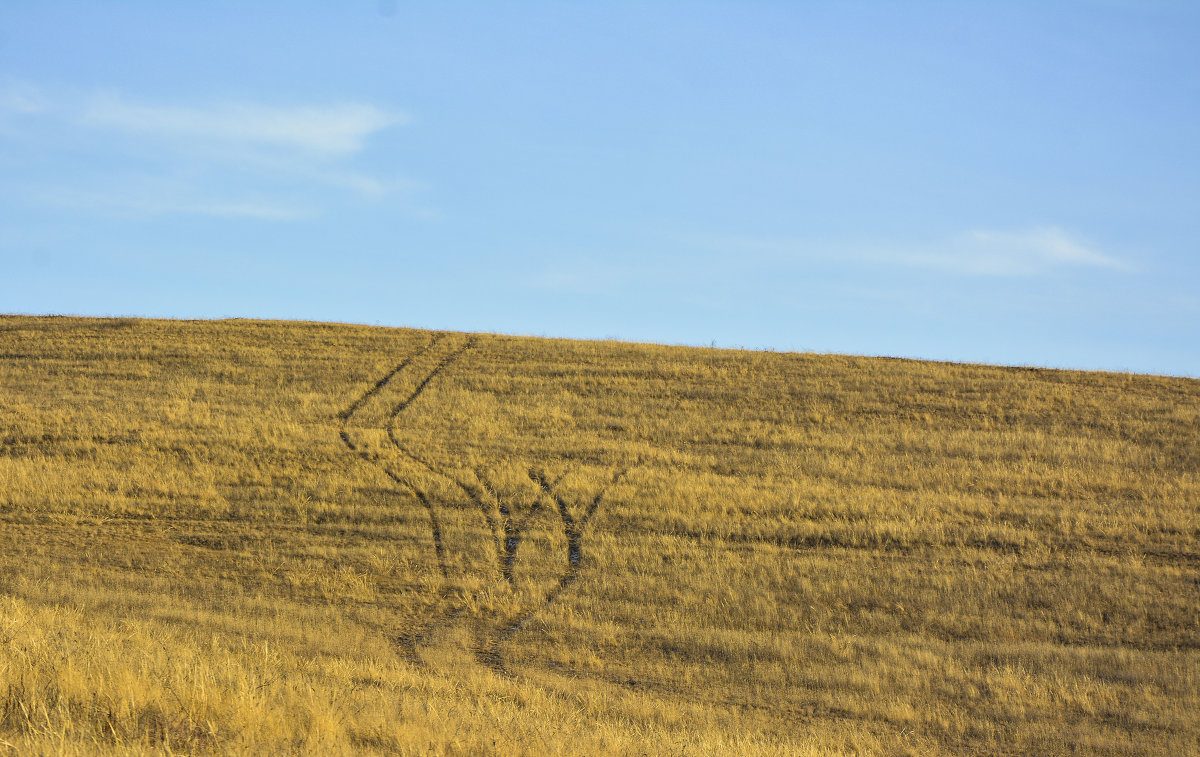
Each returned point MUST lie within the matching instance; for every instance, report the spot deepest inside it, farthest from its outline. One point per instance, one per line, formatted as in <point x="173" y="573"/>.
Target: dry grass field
<point x="274" y="538"/>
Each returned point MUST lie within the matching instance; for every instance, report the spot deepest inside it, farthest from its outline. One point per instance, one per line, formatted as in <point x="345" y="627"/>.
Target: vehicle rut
<point x="572" y="527"/>
<point x="381" y="383"/>
<point x="434" y="524"/>
<point x="488" y="649"/>
<point x="512" y="531"/>
<point x="505" y="527"/>
<point x="470" y="491"/>
<point x="409" y="640"/>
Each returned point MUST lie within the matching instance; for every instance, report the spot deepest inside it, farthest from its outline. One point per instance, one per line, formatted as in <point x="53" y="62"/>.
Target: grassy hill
<point x="265" y="537"/>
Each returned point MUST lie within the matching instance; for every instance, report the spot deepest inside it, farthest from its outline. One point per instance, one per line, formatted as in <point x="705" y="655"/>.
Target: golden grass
<point x="239" y="537"/>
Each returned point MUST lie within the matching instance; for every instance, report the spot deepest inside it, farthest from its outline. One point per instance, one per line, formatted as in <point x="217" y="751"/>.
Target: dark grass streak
<point x="505" y="530"/>
<point x="434" y="524"/>
<point x="573" y="528"/>
<point x="408" y="640"/>
<point x="473" y="493"/>
<point x="488" y="651"/>
<point x="381" y="383"/>
<point x="512" y="531"/>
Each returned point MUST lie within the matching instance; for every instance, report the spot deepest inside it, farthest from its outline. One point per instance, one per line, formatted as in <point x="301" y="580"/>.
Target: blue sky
<point x="1012" y="183"/>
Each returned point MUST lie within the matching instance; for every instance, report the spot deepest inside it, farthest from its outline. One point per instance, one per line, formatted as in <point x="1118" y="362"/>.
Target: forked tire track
<point x="434" y="525"/>
<point x="512" y="532"/>
<point x="570" y="528"/>
<point x="488" y="651"/>
<point x="574" y="529"/>
<point x="473" y="494"/>
<point x="408" y="642"/>
<point x="505" y="531"/>
<point x="505" y="550"/>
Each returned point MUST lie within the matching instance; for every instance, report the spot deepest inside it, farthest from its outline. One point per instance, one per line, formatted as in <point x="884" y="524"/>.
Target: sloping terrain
<point x="265" y="537"/>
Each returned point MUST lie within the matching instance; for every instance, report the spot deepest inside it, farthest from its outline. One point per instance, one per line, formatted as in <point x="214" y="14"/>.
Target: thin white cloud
<point x="19" y="98"/>
<point x="206" y="158"/>
<point x="985" y="252"/>
<point x="364" y="185"/>
<point x="979" y="252"/>
<point x="139" y="199"/>
<point x="256" y="210"/>
<point x="332" y="129"/>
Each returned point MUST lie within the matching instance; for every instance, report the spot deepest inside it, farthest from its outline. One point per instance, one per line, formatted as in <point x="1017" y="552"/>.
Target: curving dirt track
<point x="574" y="529"/>
<point x="506" y="529"/>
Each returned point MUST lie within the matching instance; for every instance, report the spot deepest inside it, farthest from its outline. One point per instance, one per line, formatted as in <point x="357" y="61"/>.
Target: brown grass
<point x="238" y="537"/>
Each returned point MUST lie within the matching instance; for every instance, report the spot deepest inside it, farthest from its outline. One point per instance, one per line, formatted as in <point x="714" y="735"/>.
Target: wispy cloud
<point x="334" y="129"/>
<point x="1005" y="253"/>
<point x="19" y="98"/>
<point x="146" y="199"/>
<point x="205" y="158"/>
<point x="978" y="252"/>
<point x="258" y="210"/>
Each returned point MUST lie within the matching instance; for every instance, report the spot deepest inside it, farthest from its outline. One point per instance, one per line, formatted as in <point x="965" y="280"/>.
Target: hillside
<point x="267" y="537"/>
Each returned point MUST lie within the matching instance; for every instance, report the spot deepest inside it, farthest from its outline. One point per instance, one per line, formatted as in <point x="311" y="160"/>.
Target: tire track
<point x="472" y="493"/>
<point x="488" y="650"/>
<point x="441" y="366"/>
<point x="434" y="525"/>
<point x="505" y="548"/>
<point x="413" y="639"/>
<point x="512" y="529"/>
<point x="407" y="641"/>
<point x="381" y="383"/>
<point x="573" y="528"/>
<point x="475" y="495"/>
<point x="512" y="532"/>
<point x="503" y="524"/>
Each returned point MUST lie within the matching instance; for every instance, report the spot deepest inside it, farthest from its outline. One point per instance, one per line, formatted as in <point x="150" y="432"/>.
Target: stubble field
<point x="268" y="537"/>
